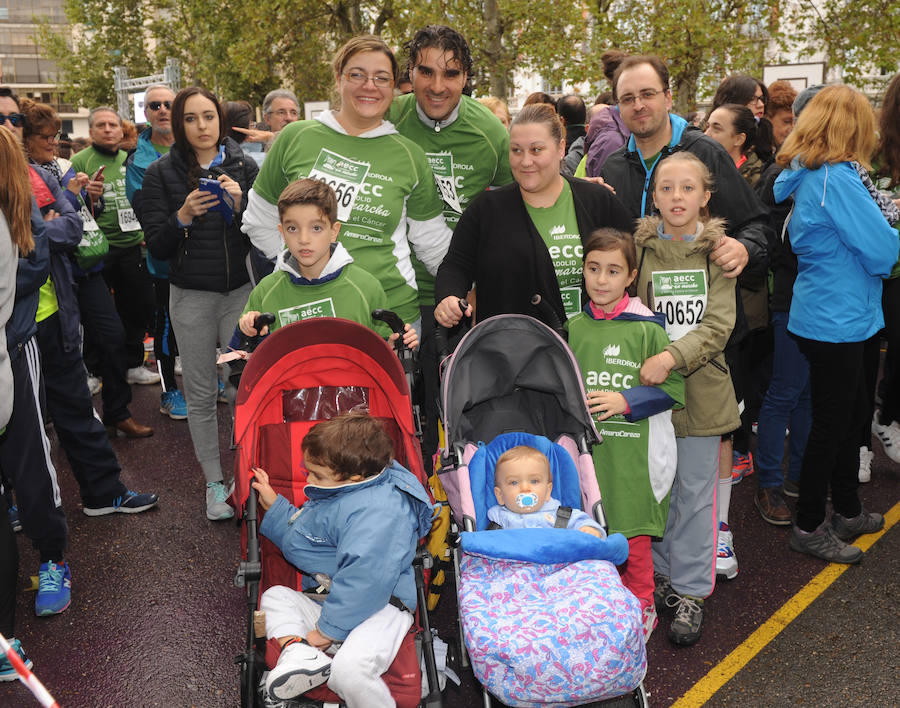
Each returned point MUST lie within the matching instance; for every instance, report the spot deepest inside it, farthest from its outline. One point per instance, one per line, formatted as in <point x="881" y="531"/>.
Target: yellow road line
<point x="720" y="674"/>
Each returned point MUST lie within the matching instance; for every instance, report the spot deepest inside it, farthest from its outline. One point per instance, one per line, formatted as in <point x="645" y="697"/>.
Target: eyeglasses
<point x="286" y="113"/>
<point x="360" y="78"/>
<point x="51" y="138"/>
<point x="645" y="95"/>
<point x="156" y="105"/>
<point x="758" y="99"/>
<point x="15" y="119"/>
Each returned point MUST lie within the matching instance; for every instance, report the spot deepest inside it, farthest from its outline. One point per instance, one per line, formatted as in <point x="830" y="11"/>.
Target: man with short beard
<point x="153" y="143"/>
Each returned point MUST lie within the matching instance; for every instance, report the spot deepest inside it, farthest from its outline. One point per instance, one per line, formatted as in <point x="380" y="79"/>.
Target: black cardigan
<point x="209" y="254"/>
<point x="496" y="246"/>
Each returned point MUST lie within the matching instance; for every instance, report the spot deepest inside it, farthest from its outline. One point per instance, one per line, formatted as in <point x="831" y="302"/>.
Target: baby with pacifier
<point x="522" y="484"/>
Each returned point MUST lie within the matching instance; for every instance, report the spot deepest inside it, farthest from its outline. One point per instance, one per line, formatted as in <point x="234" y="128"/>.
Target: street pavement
<point x="155" y="618"/>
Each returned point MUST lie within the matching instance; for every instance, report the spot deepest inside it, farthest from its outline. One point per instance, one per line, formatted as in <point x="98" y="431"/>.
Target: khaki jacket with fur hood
<point x="710" y="407"/>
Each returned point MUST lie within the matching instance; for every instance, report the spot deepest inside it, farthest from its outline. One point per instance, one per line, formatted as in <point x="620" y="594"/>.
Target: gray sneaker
<point x="217" y="506"/>
<point x="661" y="591"/>
<point x="685" y="628"/>
<point x="824" y="543"/>
<point x="847" y="529"/>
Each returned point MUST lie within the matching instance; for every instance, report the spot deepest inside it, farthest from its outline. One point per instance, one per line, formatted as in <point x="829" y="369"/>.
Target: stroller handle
<point x="441" y="333"/>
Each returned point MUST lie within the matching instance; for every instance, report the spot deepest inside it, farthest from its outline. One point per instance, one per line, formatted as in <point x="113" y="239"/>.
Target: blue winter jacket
<point x="844" y="248"/>
<point x="362" y="535"/>
<point x="31" y="274"/>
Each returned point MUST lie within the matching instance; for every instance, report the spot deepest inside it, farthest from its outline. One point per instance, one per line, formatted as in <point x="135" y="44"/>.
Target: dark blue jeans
<point x="104" y="329"/>
<point x="787" y="404"/>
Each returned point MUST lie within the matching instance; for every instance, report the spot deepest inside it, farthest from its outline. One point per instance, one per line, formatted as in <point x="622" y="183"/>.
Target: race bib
<point x="571" y="298"/>
<point x="681" y="296"/>
<point x="343" y="175"/>
<point x="128" y="221"/>
<point x="307" y="311"/>
<point x="442" y="167"/>
<point x="90" y="224"/>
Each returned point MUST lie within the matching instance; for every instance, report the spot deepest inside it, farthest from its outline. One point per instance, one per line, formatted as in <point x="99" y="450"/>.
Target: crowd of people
<point x="737" y="277"/>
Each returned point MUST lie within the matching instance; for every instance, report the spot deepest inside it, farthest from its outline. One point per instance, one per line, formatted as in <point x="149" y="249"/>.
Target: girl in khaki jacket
<point x="677" y="277"/>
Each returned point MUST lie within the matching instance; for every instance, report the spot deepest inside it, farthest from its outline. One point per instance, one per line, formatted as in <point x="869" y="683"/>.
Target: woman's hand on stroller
<point x="267" y="495"/>
<point x="247" y="324"/>
<point x="410" y="338"/>
<point x="448" y="312"/>
<point x="606" y="403"/>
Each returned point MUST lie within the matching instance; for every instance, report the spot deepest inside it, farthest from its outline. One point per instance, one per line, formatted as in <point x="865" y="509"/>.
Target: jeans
<point x="787" y="404"/>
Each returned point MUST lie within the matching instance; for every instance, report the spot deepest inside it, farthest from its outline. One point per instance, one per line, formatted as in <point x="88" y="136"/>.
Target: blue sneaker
<point x="14" y="519"/>
<point x="128" y="503"/>
<point x="7" y="672"/>
<point x="221" y="397"/>
<point x="54" y="589"/>
<point x="172" y="404"/>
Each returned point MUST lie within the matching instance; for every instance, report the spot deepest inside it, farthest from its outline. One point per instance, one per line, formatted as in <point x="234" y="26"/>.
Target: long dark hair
<point x="741" y="89"/>
<point x="889" y="130"/>
<point x="181" y="141"/>
<point x="742" y="121"/>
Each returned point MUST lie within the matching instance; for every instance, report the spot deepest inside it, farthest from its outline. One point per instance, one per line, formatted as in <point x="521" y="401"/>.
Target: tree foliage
<point x="106" y="34"/>
<point x="702" y="41"/>
<point x="861" y="37"/>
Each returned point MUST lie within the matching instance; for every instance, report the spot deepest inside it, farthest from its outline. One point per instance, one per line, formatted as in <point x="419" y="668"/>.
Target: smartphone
<point x="226" y="202"/>
<point x="99" y="172"/>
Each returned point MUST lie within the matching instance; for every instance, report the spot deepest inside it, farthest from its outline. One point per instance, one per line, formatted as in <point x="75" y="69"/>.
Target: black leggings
<point x="164" y="345"/>
<point x="831" y="458"/>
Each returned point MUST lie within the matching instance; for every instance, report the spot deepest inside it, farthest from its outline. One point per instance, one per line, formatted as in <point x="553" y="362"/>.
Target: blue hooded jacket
<point x="362" y="535"/>
<point x="844" y="248"/>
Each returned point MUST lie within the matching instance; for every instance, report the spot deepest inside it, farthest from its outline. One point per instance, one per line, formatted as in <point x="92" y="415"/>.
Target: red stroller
<point x="301" y="374"/>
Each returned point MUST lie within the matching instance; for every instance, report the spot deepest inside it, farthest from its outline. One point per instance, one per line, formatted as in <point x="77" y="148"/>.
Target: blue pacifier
<point x="527" y="500"/>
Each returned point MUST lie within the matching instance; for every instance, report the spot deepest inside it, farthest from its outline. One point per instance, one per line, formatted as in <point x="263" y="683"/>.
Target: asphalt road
<point x="156" y="620"/>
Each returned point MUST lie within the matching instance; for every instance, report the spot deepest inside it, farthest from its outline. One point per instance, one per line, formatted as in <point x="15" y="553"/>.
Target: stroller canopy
<point x="512" y="373"/>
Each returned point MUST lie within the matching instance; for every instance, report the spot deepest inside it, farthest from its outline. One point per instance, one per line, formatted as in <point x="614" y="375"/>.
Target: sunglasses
<point x="15" y="119"/>
<point x="156" y="105"/>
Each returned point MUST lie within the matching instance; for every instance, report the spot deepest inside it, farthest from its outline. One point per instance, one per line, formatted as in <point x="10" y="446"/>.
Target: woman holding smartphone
<point x="209" y="284"/>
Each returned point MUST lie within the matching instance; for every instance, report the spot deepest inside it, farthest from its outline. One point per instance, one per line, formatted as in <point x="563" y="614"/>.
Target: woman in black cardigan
<point x="206" y="251"/>
<point x="526" y="238"/>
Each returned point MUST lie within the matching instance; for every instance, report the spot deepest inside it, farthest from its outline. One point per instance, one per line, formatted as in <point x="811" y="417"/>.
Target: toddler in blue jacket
<point x="356" y="537"/>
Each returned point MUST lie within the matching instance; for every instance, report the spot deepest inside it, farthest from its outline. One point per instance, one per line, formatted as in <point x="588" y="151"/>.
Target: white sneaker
<point x="865" y="464"/>
<point x="726" y="561"/>
<point x="889" y="435"/>
<point x="649" y="619"/>
<point x="300" y="668"/>
<point x="141" y="375"/>
<point x="178" y="370"/>
<point x="217" y="509"/>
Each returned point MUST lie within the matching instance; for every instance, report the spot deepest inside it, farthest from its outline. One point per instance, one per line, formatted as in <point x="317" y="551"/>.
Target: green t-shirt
<point x="610" y="354"/>
<point x="117" y="221"/>
<point x="466" y="157"/>
<point x="352" y="295"/>
<point x="558" y="226"/>
<point x="379" y="182"/>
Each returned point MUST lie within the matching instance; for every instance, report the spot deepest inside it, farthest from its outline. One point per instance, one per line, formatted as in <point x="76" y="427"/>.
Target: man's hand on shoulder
<point x="731" y="256"/>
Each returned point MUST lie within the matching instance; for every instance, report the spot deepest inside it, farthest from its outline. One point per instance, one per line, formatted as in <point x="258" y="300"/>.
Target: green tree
<point x="105" y="34"/>
<point x="701" y="42"/>
<point x="862" y="37"/>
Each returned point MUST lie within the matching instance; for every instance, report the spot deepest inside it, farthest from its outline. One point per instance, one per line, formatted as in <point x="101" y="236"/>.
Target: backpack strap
<point x="563" y="514"/>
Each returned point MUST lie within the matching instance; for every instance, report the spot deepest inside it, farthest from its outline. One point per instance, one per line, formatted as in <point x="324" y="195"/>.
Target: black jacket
<point x="782" y="261"/>
<point x="209" y="254"/>
<point x="496" y="246"/>
<point x="732" y="198"/>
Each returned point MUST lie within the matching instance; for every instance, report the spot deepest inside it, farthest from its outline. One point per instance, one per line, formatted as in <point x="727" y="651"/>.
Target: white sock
<point x="724" y="499"/>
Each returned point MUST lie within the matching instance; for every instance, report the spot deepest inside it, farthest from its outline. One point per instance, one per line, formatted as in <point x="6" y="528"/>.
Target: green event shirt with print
<point x="610" y="354"/>
<point x="352" y="295"/>
<point x="466" y="157"/>
<point x="378" y="182"/>
<point x="117" y="221"/>
<point x="558" y="226"/>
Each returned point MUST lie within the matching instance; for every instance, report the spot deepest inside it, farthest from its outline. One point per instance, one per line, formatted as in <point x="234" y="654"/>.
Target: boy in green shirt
<point x="315" y="276"/>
